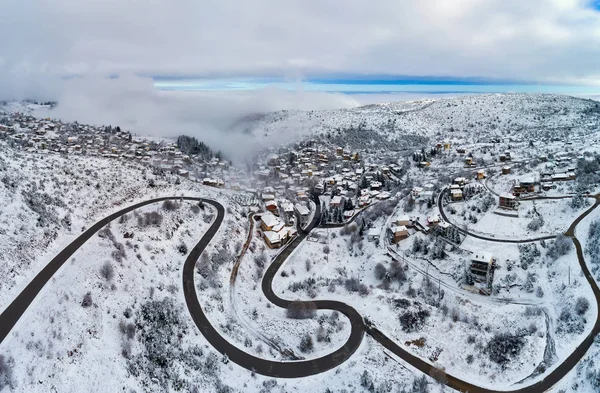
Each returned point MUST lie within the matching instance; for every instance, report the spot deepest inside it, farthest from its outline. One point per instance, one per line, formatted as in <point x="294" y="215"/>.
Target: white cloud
<point x="43" y="41"/>
<point x="556" y="40"/>
<point x="133" y="103"/>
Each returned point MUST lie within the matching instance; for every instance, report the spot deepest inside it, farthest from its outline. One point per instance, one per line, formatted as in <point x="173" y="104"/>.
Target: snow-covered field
<point x="459" y="327"/>
<point x="556" y="214"/>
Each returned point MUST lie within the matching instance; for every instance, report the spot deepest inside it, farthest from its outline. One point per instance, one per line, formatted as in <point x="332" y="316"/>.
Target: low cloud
<point x="134" y="104"/>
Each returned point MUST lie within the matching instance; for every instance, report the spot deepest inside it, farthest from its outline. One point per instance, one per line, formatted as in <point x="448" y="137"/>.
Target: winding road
<point x="290" y="369"/>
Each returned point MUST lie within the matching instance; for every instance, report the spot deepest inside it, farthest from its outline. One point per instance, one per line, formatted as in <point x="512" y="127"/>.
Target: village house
<point x="302" y="211"/>
<point x="416" y="191"/>
<point x="397" y="233"/>
<point x="443" y="227"/>
<point x="373" y="234"/>
<point x="506" y="170"/>
<point x="480" y="174"/>
<point x="268" y="221"/>
<point x="433" y="220"/>
<point x="481" y="266"/>
<point x="508" y="201"/>
<point x="403" y="221"/>
<point x="272" y="239"/>
<point x="456" y="193"/>
<point x="364" y="200"/>
<point x="525" y="185"/>
<point x="271" y="206"/>
<point x="336" y="201"/>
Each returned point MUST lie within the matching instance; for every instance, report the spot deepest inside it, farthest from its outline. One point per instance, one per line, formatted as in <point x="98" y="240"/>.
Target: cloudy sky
<point x="548" y="41"/>
<point x="67" y="49"/>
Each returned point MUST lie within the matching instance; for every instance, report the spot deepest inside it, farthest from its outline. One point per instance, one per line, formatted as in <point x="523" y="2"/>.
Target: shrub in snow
<point x="268" y="385"/>
<point x="170" y="205"/>
<point x="126" y="349"/>
<point x="159" y="327"/>
<point x="539" y="292"/>
<point x="127" y="329"/>
<point x="529" y="281"/>
<point x="366" y="381"/>
<point x="307" y="284"/>
<point x="325" y="250"/>
<point x="397" y="272"/>
<point x="44" y="206"/>
<point x="354" y="285"/>
<point x="221" y="257"/>
<point x="107" y="271"/>
<point x="150" y="219"/>
<point x="412" y="321"/>
<point x="532" y="311"/>
<point x="182" y="248"/>
<point x="119" y="254"/>
<point x="593" y="376"/>
<point x="503" y="347"/>
<point x="578" y="201"/>
<point x="306" y="343"/>
<point x="87" y="300"/>
<point x="528" y="254"/>
<point x="323" y="335"/>
<point x="535" y="224"/>
<point x="570" y="322"/>
<point x="380" y="271"/>
<point x="260" y="259"/>
<point x="420" y="385"/>
<point x="301" y="310"/>
<point x="592" y="248"/>
<point x="581" y="305"/>
<point x="561" y="246"/>
<point x="6" y="378"/>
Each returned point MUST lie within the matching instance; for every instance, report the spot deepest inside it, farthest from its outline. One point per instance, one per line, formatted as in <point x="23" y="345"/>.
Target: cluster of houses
<point x="275" y="232"/>
<point x="401" y="227"/>
<point x="285" y="183"/>
<point x="50" y="136"/>
<point x="457" y="188"/>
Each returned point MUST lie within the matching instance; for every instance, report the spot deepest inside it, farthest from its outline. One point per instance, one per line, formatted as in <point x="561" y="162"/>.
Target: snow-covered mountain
<point x="469" y="118"/>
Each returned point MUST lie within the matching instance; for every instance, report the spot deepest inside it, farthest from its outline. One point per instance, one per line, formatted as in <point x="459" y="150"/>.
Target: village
<point x="286" y="182"/>
<point x="443" y="244"/>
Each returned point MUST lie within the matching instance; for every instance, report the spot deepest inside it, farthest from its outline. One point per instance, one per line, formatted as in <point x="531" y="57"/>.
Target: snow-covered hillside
<point x="464" y="119"/>
<point x="114" y="317"/>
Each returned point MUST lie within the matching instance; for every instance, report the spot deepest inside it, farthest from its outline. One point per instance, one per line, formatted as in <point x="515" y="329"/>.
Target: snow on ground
<point x="585" y="377"/>
<point x="550" y="276"/>
<point x="252" y="322"/>
<point x="60" y="344"/>
<point x="540" y="117"/>
<point x="449" y="336"/>
<point x="557" y="216"/>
